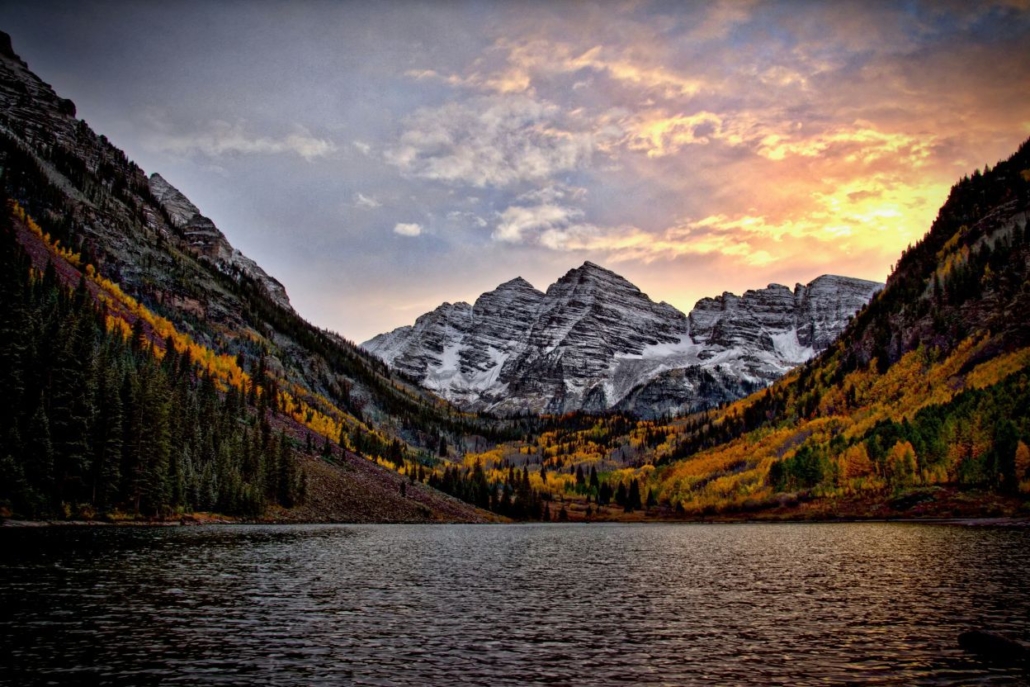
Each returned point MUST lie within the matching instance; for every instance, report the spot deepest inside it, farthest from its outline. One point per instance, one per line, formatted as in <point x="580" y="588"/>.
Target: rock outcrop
<point x="209" y="242"/>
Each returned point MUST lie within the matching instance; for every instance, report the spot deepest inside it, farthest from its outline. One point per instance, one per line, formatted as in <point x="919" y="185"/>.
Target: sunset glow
<point x="429" y="152"/>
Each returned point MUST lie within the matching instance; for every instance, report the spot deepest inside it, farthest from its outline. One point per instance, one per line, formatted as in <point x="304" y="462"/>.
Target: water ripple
<point x="873" y="604"/>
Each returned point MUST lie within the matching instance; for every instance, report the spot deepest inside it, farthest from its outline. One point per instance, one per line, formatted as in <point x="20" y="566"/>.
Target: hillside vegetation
<point x="921" y="408"/>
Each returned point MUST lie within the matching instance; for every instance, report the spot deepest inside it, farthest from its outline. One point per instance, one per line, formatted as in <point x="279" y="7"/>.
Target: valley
<point x="579" y="343"/>
<point x="131" y="322"/>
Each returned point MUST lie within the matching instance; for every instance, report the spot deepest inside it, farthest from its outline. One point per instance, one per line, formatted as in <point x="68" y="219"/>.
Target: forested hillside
<point x="104" y="418"/>
<point x="95" y="419"/>
<point x="169" y="322"/>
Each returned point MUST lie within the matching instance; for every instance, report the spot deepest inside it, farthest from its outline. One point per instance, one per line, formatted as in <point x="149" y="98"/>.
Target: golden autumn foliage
<point x="67" y="254"/>
<point x="900" y="466"/>
<point x="1023" y="467"/>
<point x="854" y="463"/>
<point x="313" y="411"/>
<point x="223" y="368"/>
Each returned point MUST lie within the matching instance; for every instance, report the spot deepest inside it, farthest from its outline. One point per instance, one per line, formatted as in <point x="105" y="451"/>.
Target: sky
<point x="381" y="158"/>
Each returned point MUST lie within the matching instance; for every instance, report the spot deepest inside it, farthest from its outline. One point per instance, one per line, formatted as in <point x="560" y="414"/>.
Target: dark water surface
<point x="506" y="605"/>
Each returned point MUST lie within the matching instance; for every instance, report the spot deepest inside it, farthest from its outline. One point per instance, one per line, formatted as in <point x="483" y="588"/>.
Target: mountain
<point x="919" y="409"/>
<point x="595" y="342"/>
<point x="132" y="284"/>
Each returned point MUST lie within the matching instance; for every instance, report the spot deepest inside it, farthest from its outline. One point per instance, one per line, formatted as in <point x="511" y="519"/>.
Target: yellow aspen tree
<point x="901" y="464"/>
<point x="1023" y="467"/>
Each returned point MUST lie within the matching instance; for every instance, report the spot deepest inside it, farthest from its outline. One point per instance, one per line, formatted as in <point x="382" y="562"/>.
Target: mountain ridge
<point x="593" y="341"/>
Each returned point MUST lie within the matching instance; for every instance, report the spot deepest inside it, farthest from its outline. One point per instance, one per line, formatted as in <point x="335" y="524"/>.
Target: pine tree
<point x="14" y="329"/>
<point x="107" y="439"/>
<point x="71" y="411"/>
<point x="39" y="465"/>
<point x="287" y="482"/>
<point x="621" y="495"/>
<point x="633" y="497"/>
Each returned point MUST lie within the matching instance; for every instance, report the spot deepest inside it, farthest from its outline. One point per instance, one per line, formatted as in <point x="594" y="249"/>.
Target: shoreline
<point x="1004" y="522"/>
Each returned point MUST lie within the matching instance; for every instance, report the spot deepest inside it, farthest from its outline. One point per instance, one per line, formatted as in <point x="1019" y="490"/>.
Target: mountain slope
<point x="201" y="234"/>
<point x="924" y="397"/>
<point x="163" y="274"/>
<point x="594" y="342"/>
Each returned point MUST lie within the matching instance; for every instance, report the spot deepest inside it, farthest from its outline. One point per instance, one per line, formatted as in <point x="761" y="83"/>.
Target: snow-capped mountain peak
<point x="594" y="341"/>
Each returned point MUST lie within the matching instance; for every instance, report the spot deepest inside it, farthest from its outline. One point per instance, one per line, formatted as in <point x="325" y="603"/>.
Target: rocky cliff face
<point x="43" y="125"/>
<point x="593" y="341"/>
<point x="201" y="234"/>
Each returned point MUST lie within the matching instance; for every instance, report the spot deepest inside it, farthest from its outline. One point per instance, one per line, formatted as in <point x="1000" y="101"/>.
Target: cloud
<point x="506" y="81"/>
<point x="629" y="243"/>
<point x="406" y="229"/>
<point x="220" y="138"/>
<point x="561" y="228"/>
<point x="659" y="135"/>
<point x="630" y="72"/>
<point x="537" y="58"/>
<point x="551" y="193"/>
<point x="465" y="218"/>
<point x="520" y="224"/>
<point x="363" y="201"/>
<point x="858" y="142"/>
<point x="589" y="48"/>
<point x="363" y="148"/>
<point x="860" y="218"/>
<point x="494" y="141"/>
<point x="721" y="18"/>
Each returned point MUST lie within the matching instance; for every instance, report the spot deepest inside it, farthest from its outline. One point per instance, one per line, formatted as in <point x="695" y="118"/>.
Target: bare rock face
<point x="178" y="206"/>
<point x="594" y="342"/>
<point x="584" y="321"/>
<point x="209" y="242"/>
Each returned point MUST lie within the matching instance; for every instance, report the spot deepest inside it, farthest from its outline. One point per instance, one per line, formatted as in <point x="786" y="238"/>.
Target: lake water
<point x="507" y="605"/>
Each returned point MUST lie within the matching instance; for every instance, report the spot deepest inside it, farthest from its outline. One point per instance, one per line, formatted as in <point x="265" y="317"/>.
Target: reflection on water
<point x="507" y="605"/>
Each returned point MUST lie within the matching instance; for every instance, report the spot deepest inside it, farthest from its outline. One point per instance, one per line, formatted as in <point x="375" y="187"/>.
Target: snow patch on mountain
<point x="789" y="349"/>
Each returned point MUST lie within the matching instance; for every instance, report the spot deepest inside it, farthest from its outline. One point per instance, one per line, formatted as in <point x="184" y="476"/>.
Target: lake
<point x="555" y="604"/>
